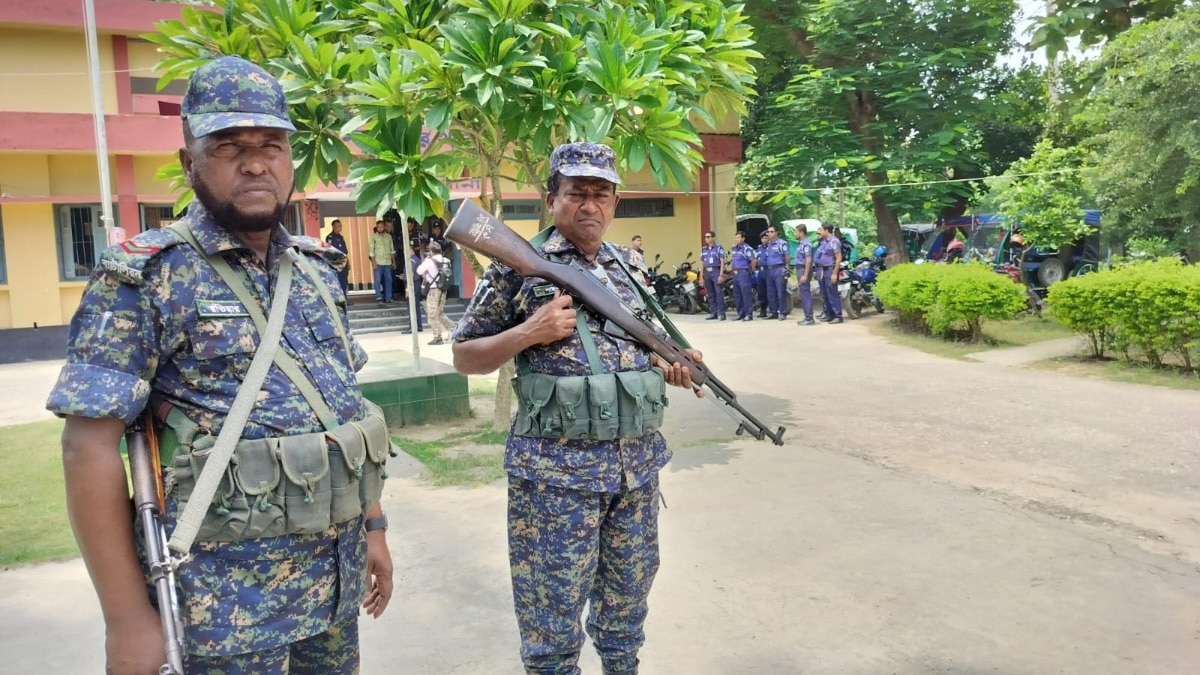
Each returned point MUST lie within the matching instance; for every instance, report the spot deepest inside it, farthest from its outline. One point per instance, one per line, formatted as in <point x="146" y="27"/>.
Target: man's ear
<point x="616" y="198"/>
<point x="185" y="160"/>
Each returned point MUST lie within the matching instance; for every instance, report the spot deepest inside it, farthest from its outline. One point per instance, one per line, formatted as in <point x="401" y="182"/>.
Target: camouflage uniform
<point x="157" y="318"/>
<point x="582" y="515"/>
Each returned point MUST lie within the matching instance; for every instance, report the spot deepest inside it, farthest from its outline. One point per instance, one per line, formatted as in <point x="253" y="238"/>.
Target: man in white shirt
<point x="435" y="276"/>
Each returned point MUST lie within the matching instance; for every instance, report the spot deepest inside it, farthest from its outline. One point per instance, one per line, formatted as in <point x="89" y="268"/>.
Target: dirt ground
<point x="925" y="516"/>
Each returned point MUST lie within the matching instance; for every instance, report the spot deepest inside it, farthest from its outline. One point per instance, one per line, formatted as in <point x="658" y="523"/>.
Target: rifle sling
<point x="190" y="520"/>
<point x="282" y="359"/>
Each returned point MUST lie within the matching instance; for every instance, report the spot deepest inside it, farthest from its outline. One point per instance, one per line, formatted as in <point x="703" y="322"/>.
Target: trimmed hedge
<point x="1153" y="307"/>
<point x="949" y="301"/>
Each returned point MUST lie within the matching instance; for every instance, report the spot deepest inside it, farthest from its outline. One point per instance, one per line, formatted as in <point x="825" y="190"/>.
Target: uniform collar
<point x="557" y="244"/>
<point x="215" y="239"/>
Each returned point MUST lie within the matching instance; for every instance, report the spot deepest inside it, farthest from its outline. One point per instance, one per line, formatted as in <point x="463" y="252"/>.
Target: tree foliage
<point x="1047" y="194"/>
<point x="426" y="89"/>
<point x="1142" y="117"/>
<point x="880" y="93"/>
<point x="1095" y="21"/>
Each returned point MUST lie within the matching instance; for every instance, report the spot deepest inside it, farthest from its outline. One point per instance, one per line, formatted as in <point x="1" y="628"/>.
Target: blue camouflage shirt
<point x="156" y="317"/>
<point x="504" y="300"/>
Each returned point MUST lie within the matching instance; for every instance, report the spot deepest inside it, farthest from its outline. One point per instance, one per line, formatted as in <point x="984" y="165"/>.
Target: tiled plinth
<point x="414" y="390"/>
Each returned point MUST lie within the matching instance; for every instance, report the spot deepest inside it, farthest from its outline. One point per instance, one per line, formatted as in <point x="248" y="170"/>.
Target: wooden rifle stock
<point x="150" y="503"/>
<point x="480" y="231"/>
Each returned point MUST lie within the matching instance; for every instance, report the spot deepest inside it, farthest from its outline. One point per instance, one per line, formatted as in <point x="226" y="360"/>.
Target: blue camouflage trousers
<point x="568" y="548"/>
<point x="333" y="652"/>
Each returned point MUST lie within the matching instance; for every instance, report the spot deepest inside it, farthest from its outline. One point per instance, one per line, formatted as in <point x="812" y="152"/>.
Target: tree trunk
<point x="888" y="227"/>
<point x="862" y="114"/>
<point x="502" y="415"/>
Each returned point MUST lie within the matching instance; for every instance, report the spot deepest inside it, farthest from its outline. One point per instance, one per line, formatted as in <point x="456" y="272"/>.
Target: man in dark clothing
<point x="336" y="240"/>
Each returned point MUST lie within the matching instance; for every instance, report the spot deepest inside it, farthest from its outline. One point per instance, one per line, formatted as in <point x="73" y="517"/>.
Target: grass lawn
<point x="33" y="504"/>
<point x="1124" y="371"/>
<point x="1025" y="330"/>
<point x="464" y="458"/>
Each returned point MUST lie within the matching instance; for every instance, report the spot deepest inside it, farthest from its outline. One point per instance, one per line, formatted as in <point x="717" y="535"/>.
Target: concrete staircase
<point x="366" y="316"/>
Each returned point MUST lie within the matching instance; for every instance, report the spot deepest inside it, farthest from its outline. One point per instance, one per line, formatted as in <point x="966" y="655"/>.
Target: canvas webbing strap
<point x="193" y="514"/>
<point x="286" y="363"/>
<point x="652" y="303"/>
<point x="323" y="290"/>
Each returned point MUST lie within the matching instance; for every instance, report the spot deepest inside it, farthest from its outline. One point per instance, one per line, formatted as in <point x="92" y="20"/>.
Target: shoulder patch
<point x="312" y="246"/>
<point x="128" y="259"/>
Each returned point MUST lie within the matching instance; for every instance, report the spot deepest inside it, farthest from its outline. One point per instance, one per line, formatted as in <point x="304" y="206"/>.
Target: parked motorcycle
<point x="860" y="284"/>
<point x="1012" y="270"/>
<point x="676" y="293"/>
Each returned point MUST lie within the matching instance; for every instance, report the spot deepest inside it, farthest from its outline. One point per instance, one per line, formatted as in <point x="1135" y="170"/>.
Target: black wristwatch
<point x="372" y="524"/>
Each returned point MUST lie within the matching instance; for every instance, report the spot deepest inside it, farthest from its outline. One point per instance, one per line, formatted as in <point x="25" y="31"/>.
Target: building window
<point x="522" y="209"/>
<point x="649" y="207"/>
<point x="81" y="239"/>
<point x="3" y="259"/>
<point x="156" y="216"/>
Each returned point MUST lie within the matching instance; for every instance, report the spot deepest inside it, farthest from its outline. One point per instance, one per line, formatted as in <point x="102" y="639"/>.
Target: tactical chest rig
<point x="230" y="489"/>
<point x="600" y="406"/>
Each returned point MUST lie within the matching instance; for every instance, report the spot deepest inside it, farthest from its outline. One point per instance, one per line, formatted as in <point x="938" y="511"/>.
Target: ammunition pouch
<point x="603" y="407"/>
<point x="288" y="485"/>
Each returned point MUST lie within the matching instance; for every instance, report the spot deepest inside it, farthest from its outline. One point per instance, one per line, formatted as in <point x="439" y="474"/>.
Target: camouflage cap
<point x="585" y="159"/>
<point x="232" y="92"/>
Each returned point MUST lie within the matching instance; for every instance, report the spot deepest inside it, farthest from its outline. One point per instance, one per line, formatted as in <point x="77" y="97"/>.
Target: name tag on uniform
<point x="220" y="308"/>
<point x="544" y="290"/>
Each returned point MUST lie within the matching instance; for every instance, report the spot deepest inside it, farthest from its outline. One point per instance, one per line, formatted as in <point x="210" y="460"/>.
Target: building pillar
<point x="312" y="218"/>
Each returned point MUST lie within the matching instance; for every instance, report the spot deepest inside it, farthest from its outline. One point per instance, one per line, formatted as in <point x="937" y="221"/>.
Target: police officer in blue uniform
<point x="712" y="257"/>
<point x="760" y="277"/>
<point x="804" y="265"/>
<point x="744" y="259"/>
<point x="828" y="260"/>
<point x="773" y="261"/>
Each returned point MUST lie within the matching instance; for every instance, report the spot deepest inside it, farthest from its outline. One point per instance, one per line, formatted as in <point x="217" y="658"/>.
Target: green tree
<point x="1094" y="21"/>
<point x="427" y="89"/>
<point x="1143" y="118"/>
<point x="881" y="93"/>
<point x="1047" y="193"/>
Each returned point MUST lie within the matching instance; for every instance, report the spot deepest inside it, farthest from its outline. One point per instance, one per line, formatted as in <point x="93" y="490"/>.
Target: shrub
<point x="1153" y="307"/>
<point x="1082" y="304"/>
<point x="949" y="300"/>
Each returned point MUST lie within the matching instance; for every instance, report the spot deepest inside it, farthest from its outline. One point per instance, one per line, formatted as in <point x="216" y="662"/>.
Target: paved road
<point x="926" y="516"/>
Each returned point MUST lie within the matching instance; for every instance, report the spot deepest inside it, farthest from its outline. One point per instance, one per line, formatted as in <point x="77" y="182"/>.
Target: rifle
<point x="150" y="503"/>
<point x="486" y="234"/>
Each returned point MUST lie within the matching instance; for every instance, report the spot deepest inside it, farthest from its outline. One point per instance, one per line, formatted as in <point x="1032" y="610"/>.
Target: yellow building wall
<point x="142" y="57"/>
<point x="35" y="292"/>
<point x="72" y="175"/>
<point x="24" y="174"/>
<point x="144" y="168"/>
<point x="47" y="71"/>
<point x="5" y="308"/>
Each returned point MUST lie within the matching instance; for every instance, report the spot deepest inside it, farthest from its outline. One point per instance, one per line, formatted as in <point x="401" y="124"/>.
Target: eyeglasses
<point x="708" y="236"/>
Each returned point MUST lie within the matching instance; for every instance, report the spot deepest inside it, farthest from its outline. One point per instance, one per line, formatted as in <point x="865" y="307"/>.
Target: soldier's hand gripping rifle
<point x="482" y="232"/>
<point x="150" y="504"/>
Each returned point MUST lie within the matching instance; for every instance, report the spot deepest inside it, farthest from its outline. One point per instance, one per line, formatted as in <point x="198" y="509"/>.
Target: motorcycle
<point x="676" y="293"/>
<point x="859" y="284"/>
<point x="1012" y="270"/>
